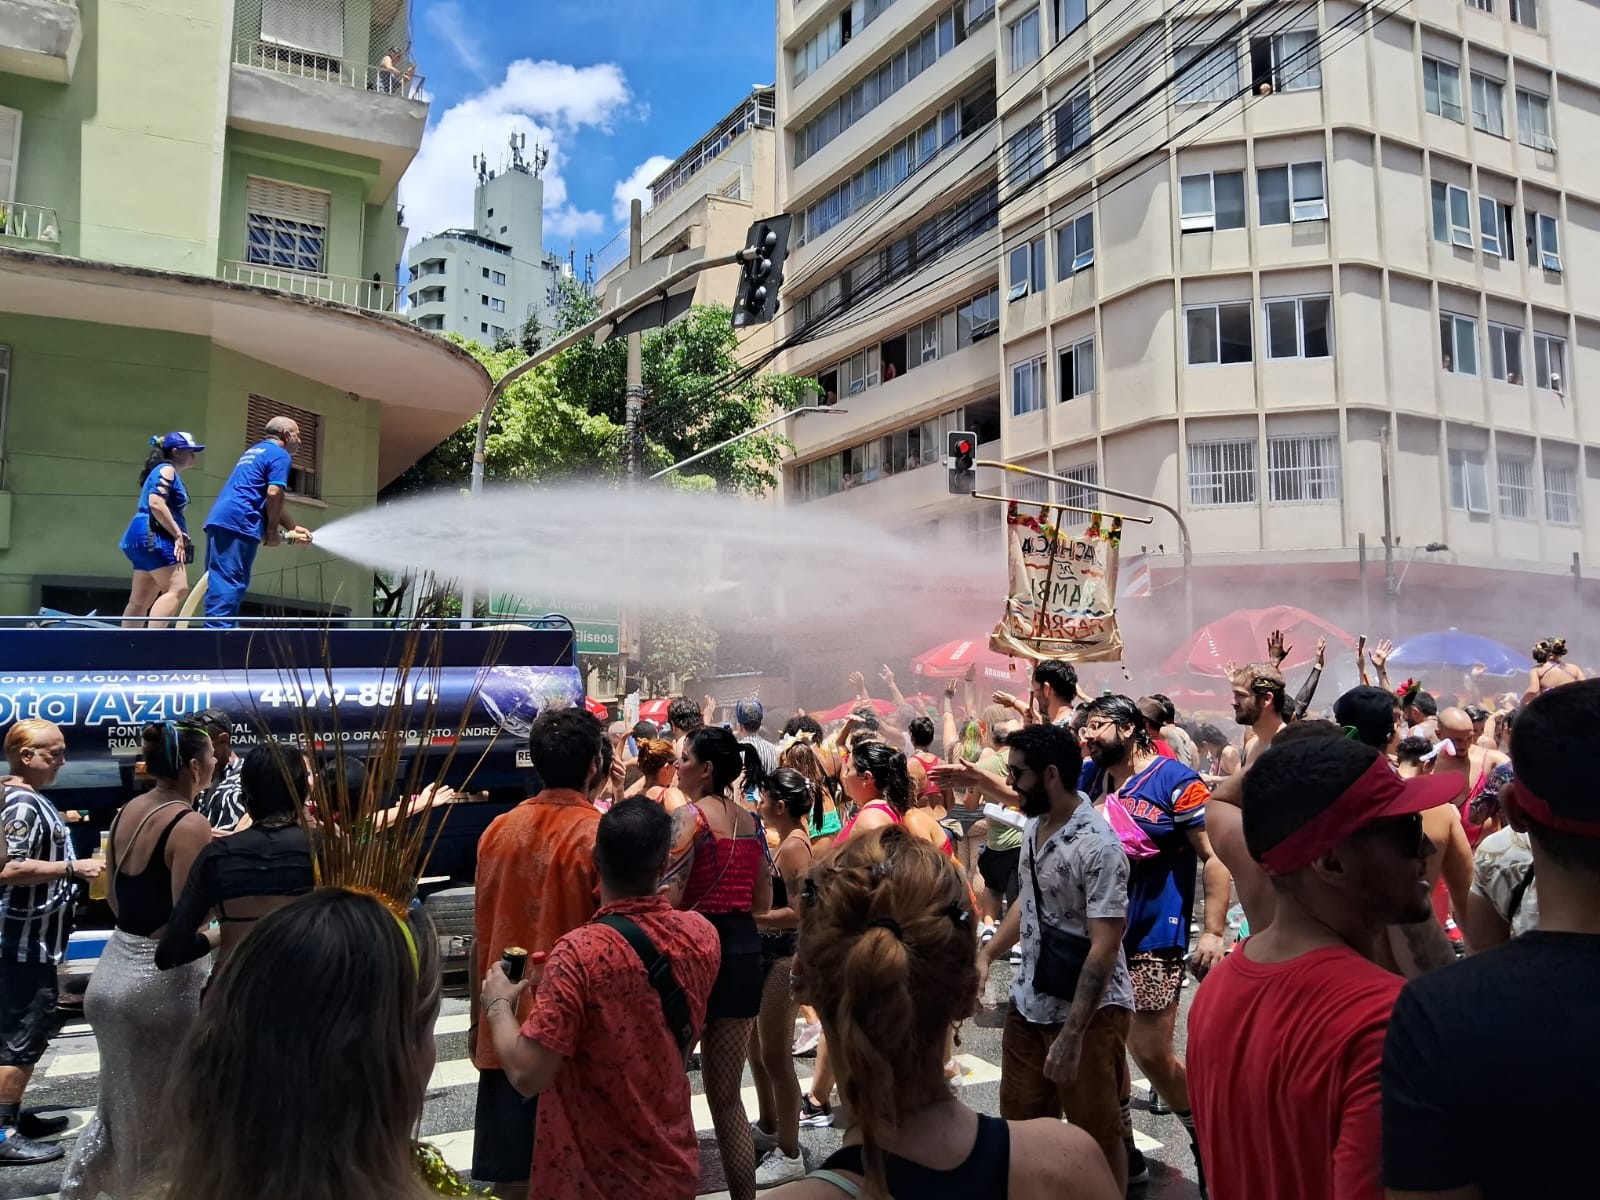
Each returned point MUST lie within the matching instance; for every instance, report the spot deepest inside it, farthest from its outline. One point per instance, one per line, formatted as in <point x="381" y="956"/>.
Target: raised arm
<point x="1302" y="699"/>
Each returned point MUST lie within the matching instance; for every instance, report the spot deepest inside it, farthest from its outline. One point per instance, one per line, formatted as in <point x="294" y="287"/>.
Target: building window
<point x="483" y="327"/>
<point x="1489" y="226"/>
<point x="1544" y="241"/>
<point x="1488" y="105"/>
<point x="286" y="227"/>
<point x="1525" y="12"/>
<point x="1298" y="327"/>
<point x="1222" y="473"/>
<point x="496" y="304"/>
<point x="1075" y="246"/>
<point x="1084" y="488"/>
<point x="483" y="300"/>
<point x="1022" y="40"/>
<point x="1302" y="469"/>
<point x="1077" y="370"/>
<point x="1214" y="200"/>
<point x="1025" y="153"/>
<point x="1441" y="89"/>
<point x="1452" y="215"/>
<point x="1069" y="15"/>
<point x="486" y="272"/>
<point x="1073" y="123"/>
<point x="1560" y="494"/>
<point x="1533" y="120"/>
<point x="1208" y="74"/>
<point x="1549" y="361"/>
<point x="499" y="277"/>
<point x="1458" y="344"/>
<point x="1481" y="5"/>
<point x="1469" y="482"/>
<point x="305" y="465"/>
<point x="860" y="371"/>
<point x="1505" y="353"/>
<point x="1289" y="62"/>
<point x="496" y="331"/>
<point x="1218" y="333"/>
<point x="1027" y="269"/>
<point x="1292" y="193"/>
<point x="1027" y="387"/>
<point x="1516" y="487"/>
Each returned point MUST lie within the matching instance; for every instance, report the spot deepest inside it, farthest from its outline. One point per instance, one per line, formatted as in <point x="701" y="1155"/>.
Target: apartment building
<point x="198" y="231"/>
<point x="1255" y="261"/>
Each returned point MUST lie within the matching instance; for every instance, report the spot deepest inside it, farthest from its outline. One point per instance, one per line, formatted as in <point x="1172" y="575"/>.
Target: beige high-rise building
<point x="1247" y="256"/>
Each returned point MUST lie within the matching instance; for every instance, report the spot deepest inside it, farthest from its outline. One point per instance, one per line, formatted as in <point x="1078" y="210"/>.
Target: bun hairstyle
<point x="723" y="751"/>
<point x="169" y="747"/>
<point x="655" y="754"/>
<point x="793" y="790"/>
<point x="888" y="956"/>
<point x="887" y="767"/>
<point x="1548" y="648"/>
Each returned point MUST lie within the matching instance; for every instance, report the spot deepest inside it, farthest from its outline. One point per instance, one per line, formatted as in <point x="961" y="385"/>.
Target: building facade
<point x="490" y="279"/>
<point x="1268" y="264"/>
<point x="201" y="247"/>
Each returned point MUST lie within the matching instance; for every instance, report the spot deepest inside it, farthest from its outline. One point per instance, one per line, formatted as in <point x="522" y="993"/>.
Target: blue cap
<point x="178" y="440"/>
<point x="748" y="713"/>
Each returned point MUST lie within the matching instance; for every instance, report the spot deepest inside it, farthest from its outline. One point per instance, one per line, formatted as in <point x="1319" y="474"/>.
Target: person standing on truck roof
<point x="157" y="540"/>
<point x="247" y="514"/>
<point x="36" y="902"/>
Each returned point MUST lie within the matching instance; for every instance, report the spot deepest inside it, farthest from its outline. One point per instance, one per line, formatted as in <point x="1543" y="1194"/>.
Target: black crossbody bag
<point x="1061" y="954"/>
<point x="674" y="1003"/>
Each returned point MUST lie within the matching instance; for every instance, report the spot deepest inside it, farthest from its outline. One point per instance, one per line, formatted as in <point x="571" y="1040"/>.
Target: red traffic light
<point x="964" y="447"/>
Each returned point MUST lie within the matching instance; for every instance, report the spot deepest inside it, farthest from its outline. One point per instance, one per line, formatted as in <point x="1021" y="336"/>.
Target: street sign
<point x="597" y="622"/>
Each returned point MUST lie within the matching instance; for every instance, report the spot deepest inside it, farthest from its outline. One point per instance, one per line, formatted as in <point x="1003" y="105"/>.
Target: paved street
<point x="66" y="1081"/>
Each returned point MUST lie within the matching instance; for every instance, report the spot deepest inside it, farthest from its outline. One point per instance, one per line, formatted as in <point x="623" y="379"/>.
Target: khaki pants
<point x="1092" y="1100"/>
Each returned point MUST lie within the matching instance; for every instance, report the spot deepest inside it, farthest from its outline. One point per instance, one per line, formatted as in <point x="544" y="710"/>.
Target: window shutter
<point x="315" y="25"/>
<point x="261" y="410"/>
<point x="10" y="145"/>
<point x="269" y="198"/>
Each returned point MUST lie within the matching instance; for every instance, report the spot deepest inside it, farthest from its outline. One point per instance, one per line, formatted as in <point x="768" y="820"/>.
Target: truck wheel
<point x="451" y="911"/>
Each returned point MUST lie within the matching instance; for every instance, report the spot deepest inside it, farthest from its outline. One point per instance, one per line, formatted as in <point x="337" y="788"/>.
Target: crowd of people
<point x="701" y="889"/>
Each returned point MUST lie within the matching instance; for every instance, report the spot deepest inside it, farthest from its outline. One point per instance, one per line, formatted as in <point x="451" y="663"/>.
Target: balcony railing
<point x="389" y="81"/>
<point x="29" y="223"/>
<point x="373" y="295"/>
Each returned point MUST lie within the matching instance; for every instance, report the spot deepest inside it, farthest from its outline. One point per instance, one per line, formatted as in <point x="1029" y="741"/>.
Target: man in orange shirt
<point x="536" y="883"/>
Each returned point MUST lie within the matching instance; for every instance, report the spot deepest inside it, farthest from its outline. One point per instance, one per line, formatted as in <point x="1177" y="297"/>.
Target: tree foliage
<point x="675" y="648"/>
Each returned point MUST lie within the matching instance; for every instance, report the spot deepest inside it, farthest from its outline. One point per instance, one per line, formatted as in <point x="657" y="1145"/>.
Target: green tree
<point x="676" y="647"/>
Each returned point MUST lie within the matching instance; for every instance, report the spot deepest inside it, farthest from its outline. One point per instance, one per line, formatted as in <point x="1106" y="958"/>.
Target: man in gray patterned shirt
<point x="1065" y="1055"/>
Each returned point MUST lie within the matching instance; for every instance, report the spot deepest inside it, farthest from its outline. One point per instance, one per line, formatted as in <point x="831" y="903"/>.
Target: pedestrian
<point x="36" y="903"/>
<point x="536" y="882"/>
<point x="683" y="718"/>
<point x="246" y="515"/>
<point x="1537" y="1072"/>
<point x="305" y="1073"/>
<point x="749" y="714"/>
<point x="1550" y="668"/>
<point x="727" y="882"/>
<point x="1064" y="1049"/>
<point x="658" y="768"/>
<point x="613" y="1013"/>
<point x="891" y="918"/>
<point x="1285" y="1034"/>
<point x="787" y="797"/>
<point x="222" y="802"/>
<point x="140" y="1014"/>
<point x="157" y="540"/>
<point x="1259" y="705"/>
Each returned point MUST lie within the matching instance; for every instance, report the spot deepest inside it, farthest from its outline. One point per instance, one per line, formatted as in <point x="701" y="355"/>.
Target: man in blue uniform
<point x="247" y="514"/>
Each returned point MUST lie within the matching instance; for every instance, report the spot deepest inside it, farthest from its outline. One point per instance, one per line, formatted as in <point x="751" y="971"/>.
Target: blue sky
<point x="616" y="89"/>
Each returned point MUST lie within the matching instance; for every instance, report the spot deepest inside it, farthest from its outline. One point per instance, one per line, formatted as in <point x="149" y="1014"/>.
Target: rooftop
<point x="755" y="111"/>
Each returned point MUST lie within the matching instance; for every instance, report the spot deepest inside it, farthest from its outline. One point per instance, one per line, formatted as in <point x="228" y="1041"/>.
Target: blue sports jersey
<point x="241" y="505"/>
<point x="1167" y="800"/>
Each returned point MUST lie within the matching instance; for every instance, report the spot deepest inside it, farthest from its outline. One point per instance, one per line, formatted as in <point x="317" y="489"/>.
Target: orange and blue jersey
<point x="1166" y="800"/>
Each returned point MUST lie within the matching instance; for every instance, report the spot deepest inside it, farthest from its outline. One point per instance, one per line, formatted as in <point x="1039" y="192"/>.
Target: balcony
<point x="29" y="227"/>
<point x="369" y="295"/>
<point x="40" y="38"/>
<point x="321" y="100"/>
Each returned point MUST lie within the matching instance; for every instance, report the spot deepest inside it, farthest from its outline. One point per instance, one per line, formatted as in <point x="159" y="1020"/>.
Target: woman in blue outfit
<point x="157" y="541"/>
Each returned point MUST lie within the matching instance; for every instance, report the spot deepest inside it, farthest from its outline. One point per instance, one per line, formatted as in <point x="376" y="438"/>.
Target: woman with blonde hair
<point x="887" y="955"/>
<point x="1550" y="669"/>
<point x="658" y="764"/>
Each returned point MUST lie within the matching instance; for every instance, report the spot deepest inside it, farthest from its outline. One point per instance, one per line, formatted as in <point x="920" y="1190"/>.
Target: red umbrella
<point x="1241" y="637"/>
<point x="883" y="708"/>
<point x="595" y="707"/>
<point x="951" y="660"/>
<point x="654" y="710"/>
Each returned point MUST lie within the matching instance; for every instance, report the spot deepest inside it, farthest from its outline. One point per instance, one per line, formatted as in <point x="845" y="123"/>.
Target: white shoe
<point x="1016" y="955"/>
<point x="777" y="1167"/>
<point x="762" y="1140"/>
<point x="805" y="1041"/>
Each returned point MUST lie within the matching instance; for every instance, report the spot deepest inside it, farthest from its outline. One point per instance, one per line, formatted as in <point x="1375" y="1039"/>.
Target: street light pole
<point x="1390" y="588"/>
<point x="804" y="410"/>
<point x="633" y="435"/>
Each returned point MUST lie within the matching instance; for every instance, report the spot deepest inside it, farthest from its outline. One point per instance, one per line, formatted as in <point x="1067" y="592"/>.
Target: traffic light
<point x="761" y="271"/>
<point x="962" y="449"/>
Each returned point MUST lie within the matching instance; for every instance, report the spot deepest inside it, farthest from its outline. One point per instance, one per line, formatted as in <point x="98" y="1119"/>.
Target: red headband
<point x="1541" y="813"/>
<point x="1379" y="792"/>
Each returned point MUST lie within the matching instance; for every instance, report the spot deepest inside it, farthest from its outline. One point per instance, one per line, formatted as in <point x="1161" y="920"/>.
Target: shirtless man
<point x="1258" y="699"/>
<point x="1460" y="754"/>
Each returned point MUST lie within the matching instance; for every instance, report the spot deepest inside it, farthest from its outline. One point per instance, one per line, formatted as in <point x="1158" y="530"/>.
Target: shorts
<point x="736" y="994"/>
<point x="999" y="870"/>
<point x="28" y="1016"/>
<point x="1157" y="978"/>
<point x="776" y="948"/>
<point x="502" y="1142"/>
<point x="147" y="552"/>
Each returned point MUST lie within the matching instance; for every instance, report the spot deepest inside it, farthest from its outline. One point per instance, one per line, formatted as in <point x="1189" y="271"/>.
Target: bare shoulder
<point x="810" y="1189"/>
<point x="1052" y="1161"/>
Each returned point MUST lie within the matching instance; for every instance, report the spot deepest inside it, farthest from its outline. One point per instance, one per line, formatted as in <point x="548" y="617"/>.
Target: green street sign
<point x="599" y="624"/>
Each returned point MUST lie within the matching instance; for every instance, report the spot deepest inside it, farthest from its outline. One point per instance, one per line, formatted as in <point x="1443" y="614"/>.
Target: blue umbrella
<point x="1452" y="648"/>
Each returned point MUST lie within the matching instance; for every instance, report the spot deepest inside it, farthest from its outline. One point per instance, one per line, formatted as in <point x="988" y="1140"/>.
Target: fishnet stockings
<point x="723" y="1046"/>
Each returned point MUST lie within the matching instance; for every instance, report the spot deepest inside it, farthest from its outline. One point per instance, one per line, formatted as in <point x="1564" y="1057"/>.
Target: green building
<point x="198" y="231"/>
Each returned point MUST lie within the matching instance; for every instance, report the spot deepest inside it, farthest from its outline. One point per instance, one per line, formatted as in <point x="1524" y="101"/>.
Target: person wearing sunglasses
<point x="1292" y="1109"/>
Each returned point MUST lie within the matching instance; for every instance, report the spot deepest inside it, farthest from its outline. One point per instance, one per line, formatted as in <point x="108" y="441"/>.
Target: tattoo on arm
<point x="1086" y="999"/>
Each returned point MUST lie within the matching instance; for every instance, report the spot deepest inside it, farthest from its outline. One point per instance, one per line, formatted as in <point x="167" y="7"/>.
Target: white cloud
<point x="637" y="185"/>
<point x="448" y="23"/>
<point x="553" y="103"/>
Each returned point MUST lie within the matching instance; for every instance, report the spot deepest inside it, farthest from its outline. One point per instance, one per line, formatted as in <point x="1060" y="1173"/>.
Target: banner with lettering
<point x="1063" y="588"/>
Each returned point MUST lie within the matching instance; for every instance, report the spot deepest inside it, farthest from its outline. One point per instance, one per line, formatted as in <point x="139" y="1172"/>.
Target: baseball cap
<point x="1378" y="792"/>
<point x="180" y="440"/>
<point x="748" y="712"/>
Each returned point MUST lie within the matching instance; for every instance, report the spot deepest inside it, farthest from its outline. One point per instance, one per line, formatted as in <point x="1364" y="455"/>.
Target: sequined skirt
<point x="140" y="1016"/>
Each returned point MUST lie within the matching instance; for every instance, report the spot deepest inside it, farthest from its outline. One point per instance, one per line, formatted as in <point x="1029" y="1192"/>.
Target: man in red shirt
<point x="615" y="1120"/>
<point x="536" y="881"/>
<point x="1286" y="1035"/>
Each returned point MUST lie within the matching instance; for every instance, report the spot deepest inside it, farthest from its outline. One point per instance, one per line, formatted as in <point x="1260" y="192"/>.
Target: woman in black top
<point x="249" y="874"/>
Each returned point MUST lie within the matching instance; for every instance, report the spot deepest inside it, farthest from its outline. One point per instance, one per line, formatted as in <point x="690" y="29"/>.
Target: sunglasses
<point x="1403" y="833"/>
